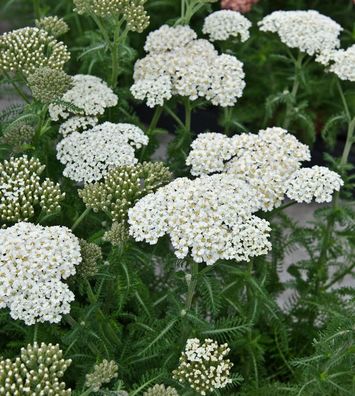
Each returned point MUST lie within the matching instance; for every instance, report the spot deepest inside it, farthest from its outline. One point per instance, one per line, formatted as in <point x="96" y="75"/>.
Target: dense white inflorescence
<point x="210" y="217"/>
<point x="89" y="96"/>
<point x="221" y="25"/>
<point x="33" y="262"/>
<point x="318" y="183"/>
<point x="341" y="62"/>
<point x="188" y="67"/>
<point x="89" y="155"/>
<point x="77" y="124"/>
<point x="309" y="31"/>
<point x="24" y="50"/>
<point x="154" y="90"/>
<point x="203" y="365"/>
<point x="265" y="160"/>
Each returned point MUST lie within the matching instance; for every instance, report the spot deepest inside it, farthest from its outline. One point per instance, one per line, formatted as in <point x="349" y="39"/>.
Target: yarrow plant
<point x="88" y="156"/>
<point x="223" y="24"/>
<point x="203" y="366"/>
<point x="180" y="64"/>
<point x="24" y="50"/>
<point x="198" y="217"/>
<point x="176" y="198"/>
<point x="38" y="370"/>
<point x="22" y="190"/>
<point x="89" y="96"/>
<point x="34" y="260"/>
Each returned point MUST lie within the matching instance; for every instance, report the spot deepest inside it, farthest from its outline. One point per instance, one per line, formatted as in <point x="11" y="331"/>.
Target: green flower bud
<point x="123" y="186"/>
<point x="48" y="84"/>
<point x="36" y="372"/>
<point x="103" y="373"/>
<point x="161" y="390"/>
<point x="24" y="50"/>
<point x="91" y="254"/>
<point x="18" y="135"/>
<point x="53" y="25"/>
<point x="21" y="190"/>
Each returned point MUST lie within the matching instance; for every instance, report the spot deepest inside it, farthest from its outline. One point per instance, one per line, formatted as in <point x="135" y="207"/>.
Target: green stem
<point x="188" y="115"/>
<point x="80" y="219"/>
<point x="340" y="276"/>
<point x="227" y="119"/>
<point x="349" y="142"/>
<point x="17" y="89"/>
<point x="35" y="333"/>
<point x="345" y="104"/>
<point x="87" y="392"/>
<point x="114" y="57"/>
<point x="152" y="126"/>
<point x="294" y="91"/>
<point x="192" y="283"/>
<point x="37" y="8"/>
<point x="174" y="116"/>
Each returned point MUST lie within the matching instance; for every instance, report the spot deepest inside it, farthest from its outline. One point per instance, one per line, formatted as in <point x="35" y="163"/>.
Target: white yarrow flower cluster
<point x="90" y="96"/>
<point x="265" y="160"/>
<point x="317" y="182"/>
<point x="77" y="124"/>
<point x="203" y="365"/>
<point x="167" y="38"/>
<point x="210" y="217"/>
<point x="340" y="62"/>
<point x="88" y="156"/>
<point x="309" y="31"/>
<point x="223" y="24"/>
<point x="188" y="67"/>
<point x="33" y="262"/>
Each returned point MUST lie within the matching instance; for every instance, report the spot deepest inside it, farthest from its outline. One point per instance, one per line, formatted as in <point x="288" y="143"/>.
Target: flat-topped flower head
<point x="89" y="96"/>
<point x="88" y="156"/>
<point x="318" y="183"/>
<point x="53" y="25"/>
<point x="33" y="262"/>
<point x="203" y="366"/>
<point x="264" y="160"/>
<point x="180" y="64"/>
<point x="223" y="24"/>
<point x="340" y="62"/>
<point x="22" y="190"/>
<point x="37" y="371"/>
<point x="25" y="50"/>
<point x="168" y="38"/>
<point x="210" y="218"/>
<point x="77" y="124"/>
<point x="309" y="31"/>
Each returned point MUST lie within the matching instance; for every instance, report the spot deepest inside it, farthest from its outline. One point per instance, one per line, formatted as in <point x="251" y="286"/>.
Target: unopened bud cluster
<point x="24" y="50"/>
<point x="132" y="10"/>
<point x="103" y="373"/>
<point x="53" y="25"/>
<point x="17" y="136"/>
<point x="117" y="235"/>
<point x="21" y="190"/>
<point x="161" y="390"/>
<point x="123" y="186"/>
<point x="37" y="371"/>
<point x="91" y="254"/>
<point x="203" y="366"/>
<point x="48" y="84"/>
